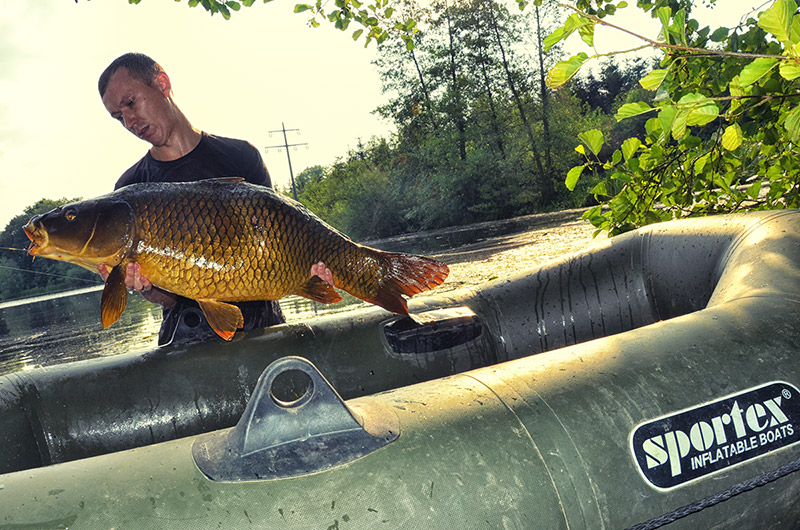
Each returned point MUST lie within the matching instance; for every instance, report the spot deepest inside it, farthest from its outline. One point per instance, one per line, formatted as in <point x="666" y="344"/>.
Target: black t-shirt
<point x="214" y="157"/>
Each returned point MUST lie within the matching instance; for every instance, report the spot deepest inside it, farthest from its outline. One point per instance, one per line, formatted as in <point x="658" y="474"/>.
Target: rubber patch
<point x="675" y="449"/>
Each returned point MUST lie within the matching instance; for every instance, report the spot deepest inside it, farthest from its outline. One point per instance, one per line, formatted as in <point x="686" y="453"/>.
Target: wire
<point x="50" y="274"/>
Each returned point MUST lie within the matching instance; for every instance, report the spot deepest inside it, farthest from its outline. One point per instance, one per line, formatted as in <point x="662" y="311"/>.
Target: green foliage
<point x="21" y="275"/>
<point x="722" y="133"/>
<point x="377" y="19"/>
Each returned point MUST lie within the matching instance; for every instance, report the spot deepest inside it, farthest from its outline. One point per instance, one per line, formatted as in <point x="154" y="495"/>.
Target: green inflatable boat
<point x="652" y="381"/>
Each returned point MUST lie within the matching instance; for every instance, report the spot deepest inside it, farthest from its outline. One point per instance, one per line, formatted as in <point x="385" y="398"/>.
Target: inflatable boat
<point x="649" y="381"/>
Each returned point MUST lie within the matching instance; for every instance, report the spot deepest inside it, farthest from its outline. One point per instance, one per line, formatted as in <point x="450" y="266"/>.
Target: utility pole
<point x="286" y="145"/>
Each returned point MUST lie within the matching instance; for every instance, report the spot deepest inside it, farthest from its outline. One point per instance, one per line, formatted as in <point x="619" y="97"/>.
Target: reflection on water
<point x="66" y="327"/>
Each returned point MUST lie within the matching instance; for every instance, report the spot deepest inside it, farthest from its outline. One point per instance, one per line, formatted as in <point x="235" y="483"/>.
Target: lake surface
<point x="66" y="327"/>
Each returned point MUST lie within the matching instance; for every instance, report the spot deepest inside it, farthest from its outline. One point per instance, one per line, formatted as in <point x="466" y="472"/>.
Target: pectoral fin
<point x="115" y="296"/>
<point x="223" y="318"/>
<point x="318" y="290"/>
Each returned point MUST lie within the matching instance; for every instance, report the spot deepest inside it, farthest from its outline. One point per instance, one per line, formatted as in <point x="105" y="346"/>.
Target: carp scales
<point x="222" y="240"/>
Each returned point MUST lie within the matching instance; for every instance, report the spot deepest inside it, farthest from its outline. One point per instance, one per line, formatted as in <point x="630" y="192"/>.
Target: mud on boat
<point x="653" y="380"/>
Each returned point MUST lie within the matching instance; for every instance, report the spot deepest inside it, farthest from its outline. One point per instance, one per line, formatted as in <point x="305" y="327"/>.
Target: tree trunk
<point x="545" y="182"/>
<point x="424" y="90"/>
<point x="459" y="114"/>
<point x="483" y="58"/>
<point x="548" y="191"/>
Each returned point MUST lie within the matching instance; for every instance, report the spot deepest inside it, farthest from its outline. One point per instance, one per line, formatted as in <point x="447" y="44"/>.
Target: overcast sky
<point x="239" y="78"/>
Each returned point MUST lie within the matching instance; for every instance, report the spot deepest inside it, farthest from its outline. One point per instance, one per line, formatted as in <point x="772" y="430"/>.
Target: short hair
<point x="139" y="66"/>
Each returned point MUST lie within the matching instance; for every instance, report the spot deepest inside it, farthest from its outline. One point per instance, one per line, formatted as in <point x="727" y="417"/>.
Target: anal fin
<point x="318" y="290"/>
<point x="115" y="296"/>
<point x="223" y="318"/>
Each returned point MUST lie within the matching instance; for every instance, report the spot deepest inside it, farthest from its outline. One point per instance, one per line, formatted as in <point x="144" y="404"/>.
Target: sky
<point x="240" y="78"/>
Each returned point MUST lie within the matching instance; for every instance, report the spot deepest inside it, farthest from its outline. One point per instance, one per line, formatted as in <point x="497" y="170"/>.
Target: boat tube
<point x="653" y="380"/>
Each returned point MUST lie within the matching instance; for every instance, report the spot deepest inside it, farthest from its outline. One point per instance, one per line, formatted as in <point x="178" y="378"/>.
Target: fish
<point x="222" y="240"/>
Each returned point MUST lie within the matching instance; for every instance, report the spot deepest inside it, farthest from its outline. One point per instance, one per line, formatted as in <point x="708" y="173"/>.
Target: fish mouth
<point x="38" y="237"/>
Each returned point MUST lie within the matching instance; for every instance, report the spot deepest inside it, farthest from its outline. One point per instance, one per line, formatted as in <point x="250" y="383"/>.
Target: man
<point x="137" y="92"/>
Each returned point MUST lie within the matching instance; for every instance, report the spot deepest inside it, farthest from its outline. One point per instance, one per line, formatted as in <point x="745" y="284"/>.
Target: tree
<point x="723" y="135"/>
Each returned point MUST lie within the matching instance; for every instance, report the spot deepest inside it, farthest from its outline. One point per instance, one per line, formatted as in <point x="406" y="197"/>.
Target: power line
<point x="286" y="145"/>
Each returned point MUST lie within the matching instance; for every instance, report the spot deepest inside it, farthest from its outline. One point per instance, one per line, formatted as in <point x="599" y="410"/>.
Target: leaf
<point x="554" y="38"/>
<point x="678" y="27"/>
<point x="679" y="124"/>
<point x="792" y="124"/>
<point x="654" y="79"/>
<point x="795" y="34"/>
<point x="778" y="20"/>
<point x="789" y="69"/>
<point x="666" y="117"/>
<point x="754" y="71"/>
<point x="593" y="140"/>
<point x="632" y="109"/>
<point x="701" y="162"/>
<point x="754" y="190"/>
<point x="299" y="8"/>
<point x="587" y="34"/>
<point x="572" y="177"/>
<point x="357" y="33"/>
<point x="580" y="149"/>
<point x="719" y="35"/>
<point x="700" y="109"/>
<point x="563" y="71"/>
<point x="664" y="14"/>
<point x="600" y="189"/>
<point x="573" y="22"/>
<point x="630" y="146"/>
<point x="732" y="137"/>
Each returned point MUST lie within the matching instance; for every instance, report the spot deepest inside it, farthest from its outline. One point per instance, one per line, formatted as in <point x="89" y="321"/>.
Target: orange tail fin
<point x="408" y="275"/>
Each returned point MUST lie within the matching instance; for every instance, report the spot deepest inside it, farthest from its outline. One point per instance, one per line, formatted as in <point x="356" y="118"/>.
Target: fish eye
<point x="70" y="215"/>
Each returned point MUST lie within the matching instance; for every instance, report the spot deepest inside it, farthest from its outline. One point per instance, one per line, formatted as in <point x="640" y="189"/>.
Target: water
<point x="65" y="327"/>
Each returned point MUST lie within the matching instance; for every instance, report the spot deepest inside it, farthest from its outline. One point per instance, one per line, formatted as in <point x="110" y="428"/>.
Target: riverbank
<point x="542" y="238"/>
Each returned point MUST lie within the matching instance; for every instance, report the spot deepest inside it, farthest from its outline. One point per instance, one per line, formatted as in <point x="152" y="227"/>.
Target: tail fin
<point x="408" y="275"/>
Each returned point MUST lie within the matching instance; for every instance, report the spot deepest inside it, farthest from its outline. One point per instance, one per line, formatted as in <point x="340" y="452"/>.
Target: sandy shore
<point x="499" y="256"/>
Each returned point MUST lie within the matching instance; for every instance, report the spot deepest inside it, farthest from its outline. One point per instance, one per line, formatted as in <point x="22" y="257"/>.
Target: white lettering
<point x="753" y="414"/>
<point x="702" y="436"/>
<point x="774" y="406"/>
<point x="736" y="416"/>
<point x="655" y="451"/>
<point x="677" y="447"/>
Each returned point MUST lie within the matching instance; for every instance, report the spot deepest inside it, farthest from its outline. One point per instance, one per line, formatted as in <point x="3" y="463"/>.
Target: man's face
<point x="142" y="109"/>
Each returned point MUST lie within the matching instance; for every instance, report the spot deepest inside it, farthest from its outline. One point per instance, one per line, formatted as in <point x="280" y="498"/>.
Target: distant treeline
<point x="479" y="136"/>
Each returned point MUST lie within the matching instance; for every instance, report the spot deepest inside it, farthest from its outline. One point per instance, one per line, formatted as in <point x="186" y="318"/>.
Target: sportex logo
<point x="687" y="445"/>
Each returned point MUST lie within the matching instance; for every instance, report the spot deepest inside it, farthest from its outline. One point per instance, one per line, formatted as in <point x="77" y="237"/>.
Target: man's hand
<point x="319" y="269"/>
<point x="134" y="281"/>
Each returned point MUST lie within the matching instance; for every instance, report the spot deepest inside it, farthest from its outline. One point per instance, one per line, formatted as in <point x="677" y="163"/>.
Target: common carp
<point x="222" y="240"/>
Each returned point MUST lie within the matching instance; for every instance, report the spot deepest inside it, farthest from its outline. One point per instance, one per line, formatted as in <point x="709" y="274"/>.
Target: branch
<point x="673" y="47"/>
